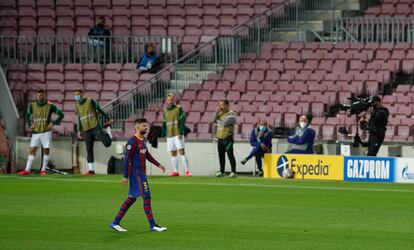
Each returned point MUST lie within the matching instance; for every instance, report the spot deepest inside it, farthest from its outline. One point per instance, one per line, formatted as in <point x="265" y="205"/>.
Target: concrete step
<point x="194" y="75"/>
<point x="341" y="5"/>
<point x="203" y="67"/>
<point x="182" y="84"/>
<point x="349" y="5"/>
<point x="321" y="15"/>
<point x="317" y="25"/>
<point x="290" y="36"/>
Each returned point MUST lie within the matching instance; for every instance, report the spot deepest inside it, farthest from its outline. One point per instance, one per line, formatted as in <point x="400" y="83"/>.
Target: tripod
<point x="357" y="139"/>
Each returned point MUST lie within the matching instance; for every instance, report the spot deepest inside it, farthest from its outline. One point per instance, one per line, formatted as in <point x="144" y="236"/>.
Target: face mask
<point x="77" y="98"/>
<point x="262" y="128"/>
<point x="302" y="124"/>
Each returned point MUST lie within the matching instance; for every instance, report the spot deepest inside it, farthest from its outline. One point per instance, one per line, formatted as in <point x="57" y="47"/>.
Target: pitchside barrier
<point x="347" y="168"/>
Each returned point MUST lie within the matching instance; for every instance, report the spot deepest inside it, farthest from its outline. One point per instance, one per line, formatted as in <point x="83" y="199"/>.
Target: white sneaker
<point x="117" y="228"/>
<point x="158" y="228"/>
<point x="232" y="175"/>
<point x="108" y="131"/>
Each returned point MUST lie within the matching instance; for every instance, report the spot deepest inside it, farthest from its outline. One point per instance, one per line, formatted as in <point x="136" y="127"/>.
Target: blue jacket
<point x="145" y="60"/>
<point x="266" y="139"/>
<point x="99" y="31"/>
<point x="302" y="140"/>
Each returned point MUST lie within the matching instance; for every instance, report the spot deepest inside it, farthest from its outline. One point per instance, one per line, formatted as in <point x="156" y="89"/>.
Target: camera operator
<point x="376" y="125"/>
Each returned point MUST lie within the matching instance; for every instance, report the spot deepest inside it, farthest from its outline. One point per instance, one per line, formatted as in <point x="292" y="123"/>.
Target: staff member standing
<point x="38" y="118"/>
<point x="173" y="128"/>
<point x="377" y="125"/>
<point x="225" y="119"/>
<point x="88" y="123"/>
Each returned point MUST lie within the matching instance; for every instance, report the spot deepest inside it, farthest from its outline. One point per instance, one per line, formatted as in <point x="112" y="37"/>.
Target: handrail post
<point x="332" y="19"/>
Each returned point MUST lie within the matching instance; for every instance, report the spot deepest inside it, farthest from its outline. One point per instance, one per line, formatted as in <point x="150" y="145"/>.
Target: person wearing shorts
<point x="173" y="129"/>
<point x="38" y="119"/>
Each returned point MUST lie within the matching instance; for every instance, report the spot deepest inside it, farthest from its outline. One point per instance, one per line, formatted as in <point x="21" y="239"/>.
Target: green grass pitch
<point x="73" y="212"/>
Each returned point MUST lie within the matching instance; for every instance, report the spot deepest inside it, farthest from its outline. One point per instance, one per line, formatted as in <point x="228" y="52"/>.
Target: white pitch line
<point x="221" y="184"/>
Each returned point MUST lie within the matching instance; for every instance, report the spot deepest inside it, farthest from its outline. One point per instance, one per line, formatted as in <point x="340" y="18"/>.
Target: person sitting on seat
<point x="261" y="141"/>
<point x="149" y="62"/>
<point x="301" y="138"/>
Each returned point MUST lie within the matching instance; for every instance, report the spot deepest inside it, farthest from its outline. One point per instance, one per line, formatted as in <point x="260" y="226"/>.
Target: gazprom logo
<point x="282" y="164"/>
<point x="369" y="169"/>
<point x="407" y="175"/>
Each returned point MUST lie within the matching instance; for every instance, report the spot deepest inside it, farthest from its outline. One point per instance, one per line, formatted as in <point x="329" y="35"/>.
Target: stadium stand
<point x="283" y="80"/>
<point x="190" y="20"/>
<point x="60" y="81"/>
<point x="299" y="77"/>
<point x="392" y="8"/>
<point x="303" y="78"/>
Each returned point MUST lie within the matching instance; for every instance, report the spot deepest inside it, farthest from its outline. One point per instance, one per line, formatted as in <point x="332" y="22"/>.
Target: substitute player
<point x="173" y="128"/>
<point x="38" y="119"/>
<point x="134" y="168"/>
<point x="88" y="123"/>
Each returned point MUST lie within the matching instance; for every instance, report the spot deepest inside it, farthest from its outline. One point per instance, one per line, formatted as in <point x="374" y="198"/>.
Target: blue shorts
<point x="138" y="186"/>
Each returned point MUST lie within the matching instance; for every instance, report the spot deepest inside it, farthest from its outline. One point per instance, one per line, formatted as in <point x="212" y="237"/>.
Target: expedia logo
<point x="317" y="168"/>
<point x="282" y="164"/>
<point x="407" y="175"/>
<point x="310" y="169"/>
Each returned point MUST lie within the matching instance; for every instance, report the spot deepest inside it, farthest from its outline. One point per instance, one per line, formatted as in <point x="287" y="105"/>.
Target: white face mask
<point x="302" y="125"/>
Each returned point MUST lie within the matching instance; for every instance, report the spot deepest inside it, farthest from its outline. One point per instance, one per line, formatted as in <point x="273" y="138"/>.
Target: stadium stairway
<point x="316" y="17"/>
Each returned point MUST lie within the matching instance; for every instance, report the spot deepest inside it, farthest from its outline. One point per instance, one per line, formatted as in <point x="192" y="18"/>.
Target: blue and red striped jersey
<point x="136" y="155"/>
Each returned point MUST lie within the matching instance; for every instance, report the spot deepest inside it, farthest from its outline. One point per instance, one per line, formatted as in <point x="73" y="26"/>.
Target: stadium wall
<point x="202" y="154"/>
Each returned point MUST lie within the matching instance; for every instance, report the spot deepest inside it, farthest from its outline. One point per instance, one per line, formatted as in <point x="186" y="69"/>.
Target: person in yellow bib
<point x="224" y="120"/>
<point x="88" y="123"/>
<point x="173" y="125"/>
<point x="38" y="119"/>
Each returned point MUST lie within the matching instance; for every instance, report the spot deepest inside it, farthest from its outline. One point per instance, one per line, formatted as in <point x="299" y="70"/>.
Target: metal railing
<point x="83" y="49"/>
<point x="213" y="55"/>
<point x="375" y="29"/>
<point x="8" y="110"/>
<point x="192" y="68"/>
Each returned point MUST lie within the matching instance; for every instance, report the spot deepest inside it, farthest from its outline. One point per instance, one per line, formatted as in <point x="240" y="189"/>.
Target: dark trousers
<point x="223" y="146"/>
<point x="90" y="136"/>
<point x="374" y="143"/>
<point x="258" y="153"/>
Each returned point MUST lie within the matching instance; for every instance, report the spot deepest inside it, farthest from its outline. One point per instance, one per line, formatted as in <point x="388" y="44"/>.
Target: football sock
<point x="29" y="164"/>
<point x="91" y="167"/>
<point x="45" y="162"/>
<point x="124" y="208"/>
<point x="184" y="159"/>
<point x="174" y="161"/>
<point x="148" y="212"/>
